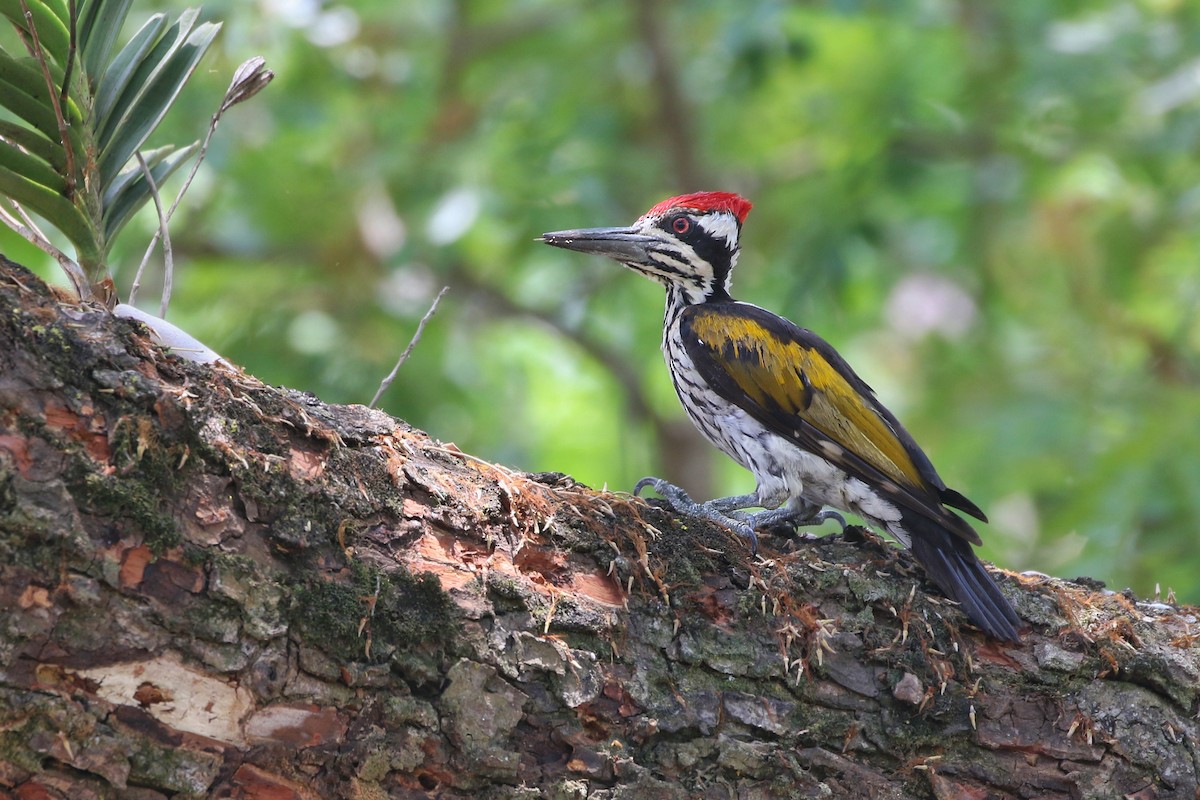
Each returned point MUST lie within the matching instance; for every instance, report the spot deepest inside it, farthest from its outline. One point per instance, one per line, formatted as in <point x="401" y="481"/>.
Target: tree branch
<point x="214" y="587"/>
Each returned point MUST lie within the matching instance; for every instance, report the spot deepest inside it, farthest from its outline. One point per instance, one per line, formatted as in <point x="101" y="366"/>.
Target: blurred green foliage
<point x="991" y="209"/>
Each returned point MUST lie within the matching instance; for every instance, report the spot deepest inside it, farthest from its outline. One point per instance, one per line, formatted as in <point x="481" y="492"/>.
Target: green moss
<point x="124" y="497"/>
<point x="299" y="522"/>
<point x="413" y="608"/>
<point x="409" y="611"/>
<point x="14" y="750"/>
<point x="329" y="614"/>
<point x="185" y="772"/>
<point x="214" y="622"/>
<point x="27" y="717"/>
<point x="303" y="526"/>
<point x="139" y="491"/>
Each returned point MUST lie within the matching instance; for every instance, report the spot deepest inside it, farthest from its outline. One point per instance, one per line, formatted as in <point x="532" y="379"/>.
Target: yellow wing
<point x="796" y="384"/>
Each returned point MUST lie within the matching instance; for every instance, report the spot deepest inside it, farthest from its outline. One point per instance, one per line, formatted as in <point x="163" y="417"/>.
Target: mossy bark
<point x="215" y="588"/>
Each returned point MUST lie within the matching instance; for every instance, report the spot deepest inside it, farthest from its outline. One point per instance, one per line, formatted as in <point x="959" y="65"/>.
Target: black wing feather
<point x="923" y="493"/>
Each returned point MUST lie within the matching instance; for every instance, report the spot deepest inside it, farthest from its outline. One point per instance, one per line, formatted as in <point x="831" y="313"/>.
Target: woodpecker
<point x="780" y="401"/>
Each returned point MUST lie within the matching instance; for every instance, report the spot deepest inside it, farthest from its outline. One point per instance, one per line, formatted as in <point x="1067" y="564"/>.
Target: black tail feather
<point x="951" y="563"/>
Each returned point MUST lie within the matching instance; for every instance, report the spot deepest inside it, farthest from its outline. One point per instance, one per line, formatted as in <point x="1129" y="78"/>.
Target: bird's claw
<point x="827" y="514"/>
<point x="746" y="532"/>
<point x="658" y="484"/>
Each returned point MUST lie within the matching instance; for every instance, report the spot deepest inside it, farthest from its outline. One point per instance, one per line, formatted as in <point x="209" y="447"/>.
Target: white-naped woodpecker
<point x="780" y="401"/>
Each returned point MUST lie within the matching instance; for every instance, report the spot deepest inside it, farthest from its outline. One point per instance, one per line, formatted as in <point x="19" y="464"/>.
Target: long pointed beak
<point x="623" y="244"/>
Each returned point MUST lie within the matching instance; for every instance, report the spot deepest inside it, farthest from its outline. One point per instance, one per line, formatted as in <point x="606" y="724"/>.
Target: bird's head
<point x="687" y="243"/>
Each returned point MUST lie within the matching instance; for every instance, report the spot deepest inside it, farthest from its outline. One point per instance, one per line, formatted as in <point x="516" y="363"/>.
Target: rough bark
<point x="215" y="588"/>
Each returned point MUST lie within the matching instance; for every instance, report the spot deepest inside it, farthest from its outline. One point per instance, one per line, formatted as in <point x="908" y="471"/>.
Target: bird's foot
<point x="715" y="510"/>
<point x="791" y="516"/>
<point x="727" y="511"/>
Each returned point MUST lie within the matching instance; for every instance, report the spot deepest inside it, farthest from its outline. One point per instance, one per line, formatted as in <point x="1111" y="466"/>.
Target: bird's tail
<point x="951" y="562"/>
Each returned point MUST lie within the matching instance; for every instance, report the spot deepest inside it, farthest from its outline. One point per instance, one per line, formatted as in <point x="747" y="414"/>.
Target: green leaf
<point x="99" y="26"/>
<point x="24" y="77"/>
<point x="112" y="83"/>
<point x="35" y="111"/>
<point x="35" y="79"/>
<point x="32" y="168"/>
<point x="134" y="191"/>
<point x="36" y="143"/>
<point x="30" y="83"/>
<point x="51" y="205"/>
<point x="28" y="109"/>
<point x="157" y="85"/>
<point x="52" y="31"/>
<point x="133" y="172"/>
<point x="36" y="114"/>
<point x="142" y="70"/>
<point x="27" y="70"/>
<point x="61" y="10"/>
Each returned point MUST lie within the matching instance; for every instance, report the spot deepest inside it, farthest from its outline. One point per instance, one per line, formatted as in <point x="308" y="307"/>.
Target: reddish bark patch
<point x="598" y="587"/>
<point x="169" y="414"/>
<point x="949" y="789"/>
<point x="305" y="465"/>
<point x="18" y="448"/>
<point x="1033" y="727"/>
<point x="411" y="509"/>
<point x="262" y="785"/>
<point x="716" y="600"/>
<point x="84" y="428"/>
<point x="133" y="566"/>
<point x="148" y="694"/>
<point x="34" y="790"/>
<point x="143" y="723"/>
<point x="995" y="652"/>
<point x="169" y="581"/>
<point x="540" y="560"/>
<point x="626" y="707"/>
<point x="431" y="554"/>
<point x="296" y="725"/>
<point x="34" y="597"/>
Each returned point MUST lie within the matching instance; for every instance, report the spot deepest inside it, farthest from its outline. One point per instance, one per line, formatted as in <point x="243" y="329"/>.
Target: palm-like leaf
<point x="151" y="91"/>
<point x="68" y="153"/>
<point x="99" y="26"/>
<point x="129" y="190"/>
<point x="50" y="20"/>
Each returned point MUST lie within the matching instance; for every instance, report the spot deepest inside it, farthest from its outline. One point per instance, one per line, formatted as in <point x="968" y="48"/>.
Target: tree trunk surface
<point x="216" y="588"/>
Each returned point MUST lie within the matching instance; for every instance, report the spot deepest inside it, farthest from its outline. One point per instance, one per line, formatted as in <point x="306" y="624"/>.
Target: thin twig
<point x="52" y="90"/>
<point x="383" y="386"/>
<point x="248" y="80"/>
<point x="137" y="276"/>
<point x="27" y="229"/>
<point x="165" y="234"/>
<point x="28" y="219"/>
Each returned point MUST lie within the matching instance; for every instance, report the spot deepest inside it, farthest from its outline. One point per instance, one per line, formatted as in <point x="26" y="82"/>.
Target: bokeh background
<point x="991" y="209"/>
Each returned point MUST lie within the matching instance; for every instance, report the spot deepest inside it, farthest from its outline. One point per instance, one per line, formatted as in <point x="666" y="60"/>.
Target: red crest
<point x="705" y="201"/>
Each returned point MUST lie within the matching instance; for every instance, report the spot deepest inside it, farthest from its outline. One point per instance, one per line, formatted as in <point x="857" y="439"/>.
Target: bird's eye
<point x="681" y="224"/>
